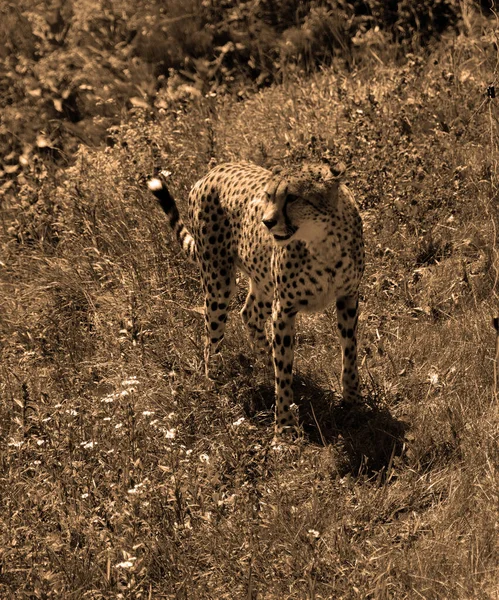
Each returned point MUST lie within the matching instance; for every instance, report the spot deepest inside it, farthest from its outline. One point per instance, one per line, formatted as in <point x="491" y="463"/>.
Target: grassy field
<point x="124" y="476"/>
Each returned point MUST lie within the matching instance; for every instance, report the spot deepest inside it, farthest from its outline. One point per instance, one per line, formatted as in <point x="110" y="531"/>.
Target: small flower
<point x="147" y="413"/>
<point x="238" y="422"/>
<point x="126" y="564"/>
<point x="136" y="489"/>
<point x="16" y="444"/>
<point x="204" y="458"/>
<point x="314" y="534"/>
<point x="433" y="377"/>
<point x="170" y="433"/>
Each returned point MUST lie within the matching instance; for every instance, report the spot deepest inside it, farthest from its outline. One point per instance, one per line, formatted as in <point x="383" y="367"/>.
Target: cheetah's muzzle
<point x="283" y="238"/>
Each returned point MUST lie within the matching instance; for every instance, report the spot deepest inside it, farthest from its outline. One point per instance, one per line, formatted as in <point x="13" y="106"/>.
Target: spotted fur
<point x="297" y="234"/>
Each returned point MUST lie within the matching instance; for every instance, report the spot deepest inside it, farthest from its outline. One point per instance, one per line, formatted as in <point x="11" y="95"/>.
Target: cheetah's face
<point x="300" y="205"/>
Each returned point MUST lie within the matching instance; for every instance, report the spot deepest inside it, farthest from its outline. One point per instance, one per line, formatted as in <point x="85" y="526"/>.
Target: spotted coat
<point x="297" y="235"/>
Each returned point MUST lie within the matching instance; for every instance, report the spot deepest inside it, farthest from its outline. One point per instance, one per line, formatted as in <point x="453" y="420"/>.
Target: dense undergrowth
<point x="71" y="69"/>
<point x="124" y="476"/>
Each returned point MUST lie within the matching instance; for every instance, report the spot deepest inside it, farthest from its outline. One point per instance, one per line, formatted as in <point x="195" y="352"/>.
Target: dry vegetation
<point x="123" y="476"/>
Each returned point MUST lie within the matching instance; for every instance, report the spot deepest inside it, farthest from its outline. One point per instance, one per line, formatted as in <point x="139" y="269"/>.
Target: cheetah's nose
<point x="269" y="223"/>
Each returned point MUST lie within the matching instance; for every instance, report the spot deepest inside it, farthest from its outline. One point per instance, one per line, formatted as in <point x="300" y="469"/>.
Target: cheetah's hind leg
<point x="218" y="291"/>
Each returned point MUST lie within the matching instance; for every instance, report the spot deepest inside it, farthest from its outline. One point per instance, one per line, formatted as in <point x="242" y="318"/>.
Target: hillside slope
<point x="124" y="476"/>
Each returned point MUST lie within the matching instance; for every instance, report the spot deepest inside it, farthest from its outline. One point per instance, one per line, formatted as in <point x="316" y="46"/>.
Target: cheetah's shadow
<point x="369" y="438"/>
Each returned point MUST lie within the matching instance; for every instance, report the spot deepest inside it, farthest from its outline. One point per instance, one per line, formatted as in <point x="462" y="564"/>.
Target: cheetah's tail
<point x="167" y="203"/>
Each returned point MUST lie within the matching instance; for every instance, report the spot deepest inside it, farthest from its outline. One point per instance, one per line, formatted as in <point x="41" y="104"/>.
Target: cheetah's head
<point x="300" y="202"/>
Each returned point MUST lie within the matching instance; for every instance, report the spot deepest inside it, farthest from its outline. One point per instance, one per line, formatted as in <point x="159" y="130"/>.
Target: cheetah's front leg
<point x="347" y="316"/>
<point x="283" y="354"/>
<point x="255" y="312"/>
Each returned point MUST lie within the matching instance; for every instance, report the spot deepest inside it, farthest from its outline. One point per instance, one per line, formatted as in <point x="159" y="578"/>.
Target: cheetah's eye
<point x="291" y="198"/>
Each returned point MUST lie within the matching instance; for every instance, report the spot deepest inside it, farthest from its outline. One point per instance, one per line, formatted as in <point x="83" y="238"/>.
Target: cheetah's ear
<point x="331" y="181"/>
<point x="337" y="170"/>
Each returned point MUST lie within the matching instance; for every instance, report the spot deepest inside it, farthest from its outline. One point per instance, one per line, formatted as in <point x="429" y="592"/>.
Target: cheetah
<point x="296" y="233"/>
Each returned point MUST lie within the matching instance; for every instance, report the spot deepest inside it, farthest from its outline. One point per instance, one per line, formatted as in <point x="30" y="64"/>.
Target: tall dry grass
<point x="124" y="476"/>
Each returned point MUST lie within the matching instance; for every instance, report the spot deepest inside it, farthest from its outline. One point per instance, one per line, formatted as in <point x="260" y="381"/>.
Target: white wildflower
<point x="136" y="488"/>
<point x="433" y="377"/>
<point x="16" y="444"/>
<point x="126" y="564"/>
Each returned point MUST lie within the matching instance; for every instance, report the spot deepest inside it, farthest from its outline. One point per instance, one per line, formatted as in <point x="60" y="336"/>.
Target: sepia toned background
<point x="122" y="474"/>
